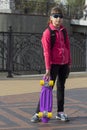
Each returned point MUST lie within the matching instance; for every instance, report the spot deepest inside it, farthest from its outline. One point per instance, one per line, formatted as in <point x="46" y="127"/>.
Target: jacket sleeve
<point x="68" y="47"/>
<point x="46" y="48"/>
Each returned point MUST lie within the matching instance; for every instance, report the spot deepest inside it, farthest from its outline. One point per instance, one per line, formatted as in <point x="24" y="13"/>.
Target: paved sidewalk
<point x="30" y="84"/>
<point x="19" y="97"/>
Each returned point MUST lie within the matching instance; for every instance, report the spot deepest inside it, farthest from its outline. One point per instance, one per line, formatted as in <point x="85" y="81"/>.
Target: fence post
<point x="47" y="8"/>
<point x="9" y="53"/>
<point x="86" y="52"/>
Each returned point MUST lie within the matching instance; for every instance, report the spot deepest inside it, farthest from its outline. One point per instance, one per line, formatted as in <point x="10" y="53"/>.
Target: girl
<point x="57" y="60"/>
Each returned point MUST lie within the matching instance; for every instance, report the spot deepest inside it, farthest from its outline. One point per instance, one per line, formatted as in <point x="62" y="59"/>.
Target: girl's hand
<point x="47" y="74"/>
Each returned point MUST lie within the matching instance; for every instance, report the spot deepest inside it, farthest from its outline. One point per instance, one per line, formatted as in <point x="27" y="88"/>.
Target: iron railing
<point x="21" y="53"/>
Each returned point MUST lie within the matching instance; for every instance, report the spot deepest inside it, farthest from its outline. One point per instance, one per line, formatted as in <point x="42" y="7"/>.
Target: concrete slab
<point x="17" y="110"/>
<point x="16" y="86"/>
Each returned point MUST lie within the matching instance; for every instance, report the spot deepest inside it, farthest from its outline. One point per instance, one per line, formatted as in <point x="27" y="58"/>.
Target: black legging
<point x="58" y="72"/>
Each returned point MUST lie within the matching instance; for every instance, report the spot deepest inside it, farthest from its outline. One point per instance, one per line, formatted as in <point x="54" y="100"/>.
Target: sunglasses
<point x="57" y="15"/>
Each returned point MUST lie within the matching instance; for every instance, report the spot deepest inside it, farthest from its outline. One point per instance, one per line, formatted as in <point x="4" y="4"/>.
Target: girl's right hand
<point x="47" y="74"/>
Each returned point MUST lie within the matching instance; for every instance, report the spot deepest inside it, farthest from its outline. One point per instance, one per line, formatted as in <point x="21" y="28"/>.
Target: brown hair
<point x="55" y="10"/>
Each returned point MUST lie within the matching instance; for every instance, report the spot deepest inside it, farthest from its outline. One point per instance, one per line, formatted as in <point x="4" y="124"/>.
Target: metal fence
<point x="78" y="52"/>
<point x="21" y="53"/>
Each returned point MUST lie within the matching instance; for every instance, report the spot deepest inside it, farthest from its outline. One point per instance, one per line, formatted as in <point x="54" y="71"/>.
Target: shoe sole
<point x="62" y="119"/>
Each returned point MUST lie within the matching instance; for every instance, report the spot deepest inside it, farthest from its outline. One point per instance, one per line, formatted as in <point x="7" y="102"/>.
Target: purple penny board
<point x="46" y="101"/>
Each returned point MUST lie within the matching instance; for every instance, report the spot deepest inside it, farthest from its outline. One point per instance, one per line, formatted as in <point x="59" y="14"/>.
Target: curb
<point x="39" y="76"/>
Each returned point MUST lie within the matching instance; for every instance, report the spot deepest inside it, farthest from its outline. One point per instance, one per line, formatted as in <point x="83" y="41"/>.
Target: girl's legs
<point x="38" y="107"/>
<point x="61" y="72"/>
<point x="61" y="87"/>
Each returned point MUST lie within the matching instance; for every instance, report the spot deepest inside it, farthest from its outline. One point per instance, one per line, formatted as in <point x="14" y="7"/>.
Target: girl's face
<point x="56" y="19"/>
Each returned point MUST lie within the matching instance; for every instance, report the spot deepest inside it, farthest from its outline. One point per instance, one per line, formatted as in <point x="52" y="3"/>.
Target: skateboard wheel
<point x="41" y="82"/>
<point x="40" y="114"/>
<point x="49" y="115"/>
<point x="51" y="83"/>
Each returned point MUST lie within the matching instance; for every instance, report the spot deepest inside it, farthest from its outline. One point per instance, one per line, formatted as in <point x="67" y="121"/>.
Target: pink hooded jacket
<point x="60" y="54"/>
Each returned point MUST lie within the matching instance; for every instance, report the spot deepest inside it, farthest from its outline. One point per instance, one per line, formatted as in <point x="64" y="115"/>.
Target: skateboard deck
<point x="46" y="100"/>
